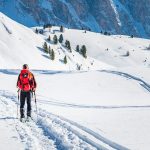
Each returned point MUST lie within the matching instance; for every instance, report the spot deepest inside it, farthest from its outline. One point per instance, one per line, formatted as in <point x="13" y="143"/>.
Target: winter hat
<point x="25" y="66"/>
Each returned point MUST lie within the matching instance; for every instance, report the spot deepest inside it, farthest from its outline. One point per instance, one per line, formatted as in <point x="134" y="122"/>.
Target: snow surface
<point x="104" y="106"/>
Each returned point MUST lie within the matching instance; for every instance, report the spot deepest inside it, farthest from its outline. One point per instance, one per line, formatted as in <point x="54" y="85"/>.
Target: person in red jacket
<point x="26" y="84"/>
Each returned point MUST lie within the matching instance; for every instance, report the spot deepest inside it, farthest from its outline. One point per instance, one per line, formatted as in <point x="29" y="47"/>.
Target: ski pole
<point x="35" y="104"/>
<point x="18" y="102"/>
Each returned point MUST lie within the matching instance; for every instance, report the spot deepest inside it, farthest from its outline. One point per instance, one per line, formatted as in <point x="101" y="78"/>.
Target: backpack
<point x="26" y="80"/>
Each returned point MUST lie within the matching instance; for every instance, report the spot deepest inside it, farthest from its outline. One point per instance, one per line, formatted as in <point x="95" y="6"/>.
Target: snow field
<point x="86" y="117"/>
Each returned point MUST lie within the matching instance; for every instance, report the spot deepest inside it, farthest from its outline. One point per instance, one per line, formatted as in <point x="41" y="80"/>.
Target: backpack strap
<point x="19" y="82"/>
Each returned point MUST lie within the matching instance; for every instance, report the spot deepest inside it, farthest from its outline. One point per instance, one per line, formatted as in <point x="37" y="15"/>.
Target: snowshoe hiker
<point x="27" y="85"/>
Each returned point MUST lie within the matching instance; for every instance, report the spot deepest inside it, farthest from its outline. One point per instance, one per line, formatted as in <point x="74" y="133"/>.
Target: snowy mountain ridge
<point x="115" y="16"/>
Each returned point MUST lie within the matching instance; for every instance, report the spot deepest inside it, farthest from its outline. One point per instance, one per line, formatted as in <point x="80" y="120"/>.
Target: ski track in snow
<point x="55" y="102"/>
<point x="128" y="76"/>
<point x="30" y="134"/>
<point x="50" y="131"/>
<point x="143" y="83"/>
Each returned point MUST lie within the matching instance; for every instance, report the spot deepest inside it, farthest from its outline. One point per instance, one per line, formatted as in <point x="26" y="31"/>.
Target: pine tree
<point x="49" y="50"/>
<point x="77" y="48"/>
<point x="67" y="45"/>
<point x="49" y="27"/>
<point x="36" y="31"/>
<point x="83" y="51"/>
<point x="52" y="55"/>
<point x="49" y="38"/>
<point x="61" y="38"/>
<point x="78" y="67"/>
<point x="105" y="33"/>
<point x="55" y="39"/>
<point x="61" y="29"/>
<point x="65" y="60"/>
<point x="44" y="26"/>
<point x="45" y="47"/>
<point x="127" y="54"/>
<point x="132" y="36"/>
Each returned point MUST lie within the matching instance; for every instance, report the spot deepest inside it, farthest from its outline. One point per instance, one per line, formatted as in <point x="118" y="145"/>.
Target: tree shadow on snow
<point x="45" y="56"/>
<point x="8" y="118"/>
<point x="10" y="71"/>
<point x="41" y="49"/>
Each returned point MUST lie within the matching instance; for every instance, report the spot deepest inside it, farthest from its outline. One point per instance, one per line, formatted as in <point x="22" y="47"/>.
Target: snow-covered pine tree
<point x="61" y="38"/>
<point x="55" y="39"/>
<point x="36" y="31"/>
<point x="105" y="33"/>
<point x="49" y="50"/>
<point x="61" y="29"/>
<point x="77" y="48"/>
<point x="78" y="67"/>
<point x="44" y="26"/>
<point x="83" y="51"/>
<point x="65" y="60"/>
<point x="45" y="47"/>
<point x="132" y="36"/>
<point x="49" y="38"/>
<point x="127" y="54"/>
<point x="52" y="55"/>
<point x="67" y="44"/>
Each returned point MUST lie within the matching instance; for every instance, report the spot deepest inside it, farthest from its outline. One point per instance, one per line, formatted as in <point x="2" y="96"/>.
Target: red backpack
<point x="26" y="80"/>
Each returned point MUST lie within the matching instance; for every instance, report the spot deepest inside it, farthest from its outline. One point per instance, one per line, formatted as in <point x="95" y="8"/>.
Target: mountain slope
<point x="20" y="45"/>
<point x="116" y="16"/>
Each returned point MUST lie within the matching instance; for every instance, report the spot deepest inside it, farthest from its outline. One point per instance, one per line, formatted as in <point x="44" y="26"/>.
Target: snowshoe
<point x="28" y="119"/>
<point x="22" y="120"/>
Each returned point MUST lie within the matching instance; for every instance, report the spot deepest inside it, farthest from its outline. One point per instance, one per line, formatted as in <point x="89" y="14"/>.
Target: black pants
<point x="25" y="96"/>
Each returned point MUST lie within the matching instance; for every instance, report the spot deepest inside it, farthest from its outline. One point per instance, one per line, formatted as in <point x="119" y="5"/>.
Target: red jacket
<point x="26" y="81"/>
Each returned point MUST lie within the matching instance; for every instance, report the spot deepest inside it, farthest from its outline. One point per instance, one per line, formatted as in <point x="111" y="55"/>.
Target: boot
<point x="22" y="113"/>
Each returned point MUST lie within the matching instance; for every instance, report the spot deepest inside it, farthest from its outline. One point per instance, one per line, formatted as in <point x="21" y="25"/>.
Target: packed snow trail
<point x="42" y="133"/>
<point x="92" y="133"/>
<point x="50" y="131"/>
<point x="30" y="135"/>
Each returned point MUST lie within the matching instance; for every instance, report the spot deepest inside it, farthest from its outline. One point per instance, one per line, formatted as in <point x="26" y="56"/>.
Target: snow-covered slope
<point x="104" y="107"/>
<point x="19" y="45"/>
<point x="109" y="49"/>
<point x="26" y="47"/>
<point x="112" y="49"/>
